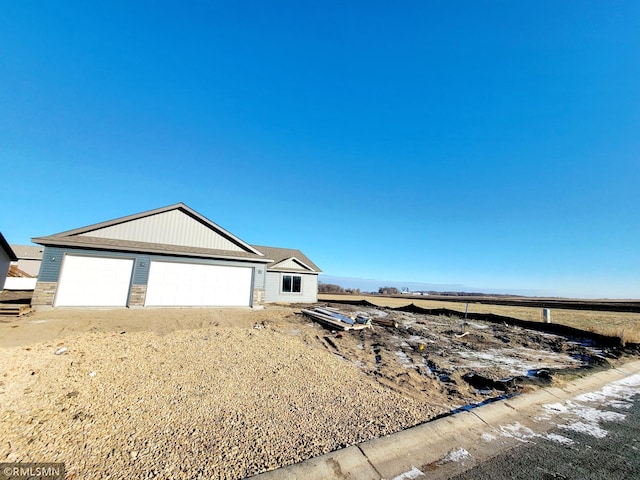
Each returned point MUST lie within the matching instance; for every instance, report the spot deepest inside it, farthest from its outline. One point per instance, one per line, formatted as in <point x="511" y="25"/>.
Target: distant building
<point x="29" y="258"/>
<point x="23" y="273"/>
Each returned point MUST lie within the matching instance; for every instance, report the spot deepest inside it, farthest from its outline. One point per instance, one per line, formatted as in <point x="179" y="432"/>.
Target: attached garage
<point x="178" y="284"/>
<point x="94" y="282"/>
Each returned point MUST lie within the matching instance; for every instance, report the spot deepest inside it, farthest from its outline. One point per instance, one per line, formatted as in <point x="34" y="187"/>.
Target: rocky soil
<point x="208" y="402"/>
<point x="224" y="393"/>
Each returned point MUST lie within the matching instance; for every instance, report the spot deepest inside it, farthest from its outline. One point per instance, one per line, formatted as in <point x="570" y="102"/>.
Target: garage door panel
<point x="94" y="282"/>
<point x="198" y="285"/>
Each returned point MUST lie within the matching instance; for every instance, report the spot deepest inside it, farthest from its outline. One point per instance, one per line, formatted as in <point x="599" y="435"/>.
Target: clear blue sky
<point x="489" y="145"/>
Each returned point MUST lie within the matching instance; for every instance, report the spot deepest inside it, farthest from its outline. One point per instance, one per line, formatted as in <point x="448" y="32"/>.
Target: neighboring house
<point x="6" y="257"/>
<point x="29" y="258"/>
<point x="291" y="276"/>
<point x="170" y="256"/>
<point x="23" y="273"/>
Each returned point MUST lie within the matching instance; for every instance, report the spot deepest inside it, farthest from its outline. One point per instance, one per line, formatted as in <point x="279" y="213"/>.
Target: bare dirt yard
<point x="612" y="318"/>
<point x="228" y="393"/>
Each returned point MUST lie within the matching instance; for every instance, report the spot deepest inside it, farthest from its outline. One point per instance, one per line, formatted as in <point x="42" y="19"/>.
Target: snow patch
<point x="524" y="434"/>
<point x="621" y="390"/>
<point x="518" y="431"/>
<point x="413" y="473"/>
<point x="404" y="358"/>
<point x="518" y="361"/>
<point x="593" y="415"/>
<point x="587" y="428"/>
<point x="554" y="437"/>
<point x="455" y="456"/>
<point x="618" y="394"/>
<point x="479" y="326"/>
<point x="487" y="437"/>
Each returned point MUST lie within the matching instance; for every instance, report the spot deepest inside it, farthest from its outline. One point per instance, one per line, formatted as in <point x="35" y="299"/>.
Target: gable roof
<point x="175" y="229"/>
<point x="288" y="259"/>
<point x="7" y="249"/>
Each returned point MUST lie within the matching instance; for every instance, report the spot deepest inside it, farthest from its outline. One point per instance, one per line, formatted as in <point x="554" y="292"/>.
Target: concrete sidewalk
<point x="431" y="450"/>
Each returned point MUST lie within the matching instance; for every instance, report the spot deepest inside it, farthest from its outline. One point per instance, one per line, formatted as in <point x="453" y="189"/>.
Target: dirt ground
<point x="228" y="393"/>
<point x="623" y="324"/>
<point x="451" y="362"/>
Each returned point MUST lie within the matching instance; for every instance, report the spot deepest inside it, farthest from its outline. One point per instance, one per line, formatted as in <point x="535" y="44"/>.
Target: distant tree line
<point x="332" y="288"/>
<point x="388" y="291"/>
<point x="471" y="294"/>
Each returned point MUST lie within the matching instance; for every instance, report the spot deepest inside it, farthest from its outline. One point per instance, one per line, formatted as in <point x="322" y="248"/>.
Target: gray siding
<point x="273" y="291"/>
<point x="32" y="267"/>
<point x="5" y="263"/>
<point x="291" y="264"/>
<point x="52" y="261"/>
<point x="171" y="228"/>
<point x="50" y="267"/>
<point x="52" y="258"/>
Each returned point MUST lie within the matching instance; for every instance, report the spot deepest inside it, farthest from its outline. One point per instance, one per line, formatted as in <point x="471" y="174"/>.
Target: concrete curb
<point x="434" y="445"/>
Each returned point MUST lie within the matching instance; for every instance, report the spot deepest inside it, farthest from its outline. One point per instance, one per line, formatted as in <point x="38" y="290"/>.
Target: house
<point x="6" y="257"/>
<point x="291" y="276"/>
<point x="170" y="256"/>
<point x="29" y="258"/>
<point x="23" y="273"/>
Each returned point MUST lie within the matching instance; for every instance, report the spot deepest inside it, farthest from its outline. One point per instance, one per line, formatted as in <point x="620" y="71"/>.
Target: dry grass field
<point x="617" y="324"/>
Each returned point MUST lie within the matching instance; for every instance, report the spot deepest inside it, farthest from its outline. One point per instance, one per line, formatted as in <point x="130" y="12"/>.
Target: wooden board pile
<point x="333" y="318"/>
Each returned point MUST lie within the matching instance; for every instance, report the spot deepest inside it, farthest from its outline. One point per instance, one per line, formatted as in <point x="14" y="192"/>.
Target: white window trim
<point x="282" y="275"/>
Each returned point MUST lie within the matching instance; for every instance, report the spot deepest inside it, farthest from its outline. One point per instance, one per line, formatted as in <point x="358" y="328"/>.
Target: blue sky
<point x="490" y="146"/>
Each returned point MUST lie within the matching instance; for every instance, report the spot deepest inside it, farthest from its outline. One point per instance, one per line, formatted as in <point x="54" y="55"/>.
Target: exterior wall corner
<point x="43" y="295"/>
<point x="258" y="297"/>
<point x="137" y="295"/>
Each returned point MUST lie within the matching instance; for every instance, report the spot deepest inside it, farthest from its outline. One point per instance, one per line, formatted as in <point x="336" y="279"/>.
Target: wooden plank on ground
<point x="385" y="322"/>
<point x="331" y="322"/>
<point x="13" y="310"/>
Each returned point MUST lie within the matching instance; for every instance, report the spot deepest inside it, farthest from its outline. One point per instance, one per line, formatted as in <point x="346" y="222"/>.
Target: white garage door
<point x="94" y="282"/>
<point x="197" y="285"/>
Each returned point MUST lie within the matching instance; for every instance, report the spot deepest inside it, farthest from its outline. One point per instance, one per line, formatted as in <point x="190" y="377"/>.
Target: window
<point x="291" y="283"/>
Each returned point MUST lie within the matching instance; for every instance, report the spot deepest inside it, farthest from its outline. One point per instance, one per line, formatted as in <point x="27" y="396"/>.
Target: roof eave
<point x="176" y="206"/>
<point x="7" y="248"/>
<point x="60" y="242"/>
<point x="295" y="259"/>
<point x="290" y="270"/>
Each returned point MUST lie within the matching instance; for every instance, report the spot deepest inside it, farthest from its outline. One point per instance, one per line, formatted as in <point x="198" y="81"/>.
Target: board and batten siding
<point x="52" y="261"/>
<point x="273" y="288"/>
<point x="170" y="228"/>
<point x="292" y="264"/>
